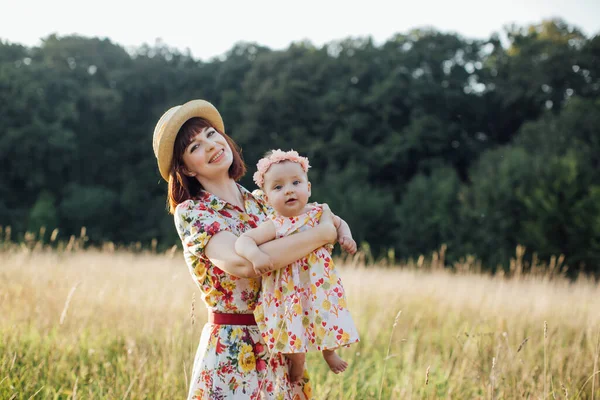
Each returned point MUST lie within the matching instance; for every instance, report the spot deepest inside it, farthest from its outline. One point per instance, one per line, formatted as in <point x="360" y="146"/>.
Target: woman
<point x="202" y="164"/>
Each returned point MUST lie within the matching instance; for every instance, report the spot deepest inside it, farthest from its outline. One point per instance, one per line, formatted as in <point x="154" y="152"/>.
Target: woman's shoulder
<point x="187" y="204"/>
<point x="191" y="207"/>
<point x="259" y="196"/>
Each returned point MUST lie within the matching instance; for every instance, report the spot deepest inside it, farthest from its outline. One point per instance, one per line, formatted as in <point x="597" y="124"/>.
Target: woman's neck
<point x="226" y="190"/>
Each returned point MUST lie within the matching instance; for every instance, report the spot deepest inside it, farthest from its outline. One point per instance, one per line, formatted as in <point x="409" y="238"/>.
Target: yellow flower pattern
<point x="246" y="360"/>
<point x="232" y="362"/>
<point x="302" y="307"/>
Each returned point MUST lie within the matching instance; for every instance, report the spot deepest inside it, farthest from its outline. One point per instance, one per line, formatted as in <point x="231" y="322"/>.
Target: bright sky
<point x="210" y="28"/>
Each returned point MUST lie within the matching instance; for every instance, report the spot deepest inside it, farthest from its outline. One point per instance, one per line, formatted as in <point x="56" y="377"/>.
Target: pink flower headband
<point x="275" y="157"/>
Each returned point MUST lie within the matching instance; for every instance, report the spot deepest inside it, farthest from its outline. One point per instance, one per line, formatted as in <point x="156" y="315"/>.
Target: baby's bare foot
<point x="334" y="361"/>
<point x="296" y="366"/>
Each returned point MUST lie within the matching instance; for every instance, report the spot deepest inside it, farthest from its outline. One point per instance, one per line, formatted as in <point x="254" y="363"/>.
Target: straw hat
<point x="169" y="124"/>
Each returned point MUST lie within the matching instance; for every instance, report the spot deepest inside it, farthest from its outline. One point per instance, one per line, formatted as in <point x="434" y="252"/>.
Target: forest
<point x="429" y="140"/>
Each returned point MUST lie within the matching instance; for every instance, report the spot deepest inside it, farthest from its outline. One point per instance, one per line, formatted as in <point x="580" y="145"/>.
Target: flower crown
<point x="275" y="157"/>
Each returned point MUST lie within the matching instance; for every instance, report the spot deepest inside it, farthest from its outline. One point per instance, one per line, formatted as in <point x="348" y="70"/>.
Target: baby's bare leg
<point x="334" y="361"/>
<point x="297" y="367"/>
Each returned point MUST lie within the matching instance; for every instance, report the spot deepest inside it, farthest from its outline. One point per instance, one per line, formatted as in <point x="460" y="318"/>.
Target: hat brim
<point x="171" y="122"/>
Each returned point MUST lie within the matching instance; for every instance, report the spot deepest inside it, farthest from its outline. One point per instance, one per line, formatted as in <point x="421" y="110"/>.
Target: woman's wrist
<point x="326" y="233"/>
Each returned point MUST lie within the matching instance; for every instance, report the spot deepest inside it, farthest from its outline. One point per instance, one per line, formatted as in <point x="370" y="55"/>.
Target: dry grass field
<point x="124" y="324"/>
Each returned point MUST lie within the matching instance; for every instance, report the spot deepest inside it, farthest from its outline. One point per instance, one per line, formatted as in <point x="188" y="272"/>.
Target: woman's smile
<point x="217" y="157"/>
<point x="202" y="164"/>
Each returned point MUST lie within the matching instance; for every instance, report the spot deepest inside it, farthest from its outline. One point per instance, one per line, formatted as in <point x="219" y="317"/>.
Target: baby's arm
<point x="247" y="246"/>
<point x="344" y="235"/>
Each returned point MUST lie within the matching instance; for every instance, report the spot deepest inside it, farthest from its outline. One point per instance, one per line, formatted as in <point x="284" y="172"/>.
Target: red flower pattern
<point x="301" y="303"/>
<point x="217" y="370"/>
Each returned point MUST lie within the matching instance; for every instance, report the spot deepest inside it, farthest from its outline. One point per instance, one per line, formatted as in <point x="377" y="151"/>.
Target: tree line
<point x="430" y="138"/>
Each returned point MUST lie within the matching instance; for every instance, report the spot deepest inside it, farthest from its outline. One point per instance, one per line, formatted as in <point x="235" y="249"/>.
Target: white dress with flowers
<point x="232" y="362"/>
<point x="302" y="307"/>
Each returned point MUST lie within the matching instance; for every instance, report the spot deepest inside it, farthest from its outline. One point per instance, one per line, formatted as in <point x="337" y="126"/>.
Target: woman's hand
<point x="326" y="225"/>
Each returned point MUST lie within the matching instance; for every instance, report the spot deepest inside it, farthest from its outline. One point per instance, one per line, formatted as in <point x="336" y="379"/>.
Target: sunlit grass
<point x="126" y="331"/>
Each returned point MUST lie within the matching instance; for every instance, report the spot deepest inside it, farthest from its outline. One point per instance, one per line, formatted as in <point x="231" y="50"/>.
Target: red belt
<point x="231" y="319"/>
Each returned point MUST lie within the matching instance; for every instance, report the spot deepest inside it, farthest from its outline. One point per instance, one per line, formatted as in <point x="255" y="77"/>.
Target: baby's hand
<point x="262" y="264"/>
<point x="348" y="244"/>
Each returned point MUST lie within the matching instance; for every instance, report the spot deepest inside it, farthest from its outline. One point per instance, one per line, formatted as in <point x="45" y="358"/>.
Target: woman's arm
<point x="247" y="246"/>
<point x="283" y="251"/>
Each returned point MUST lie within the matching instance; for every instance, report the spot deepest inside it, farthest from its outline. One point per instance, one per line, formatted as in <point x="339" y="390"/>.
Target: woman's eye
<point x="210" y="133"/>
<point x="194" y="147"/>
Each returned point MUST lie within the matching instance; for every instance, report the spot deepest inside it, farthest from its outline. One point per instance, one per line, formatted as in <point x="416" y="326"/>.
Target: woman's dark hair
<point x="183" y="187"/>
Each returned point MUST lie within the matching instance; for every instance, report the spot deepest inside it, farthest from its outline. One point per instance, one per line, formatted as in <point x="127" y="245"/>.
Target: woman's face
<point x="208" y="155"/>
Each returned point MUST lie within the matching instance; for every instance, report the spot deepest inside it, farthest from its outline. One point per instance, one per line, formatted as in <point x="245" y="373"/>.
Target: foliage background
<point x="429" y="139"/>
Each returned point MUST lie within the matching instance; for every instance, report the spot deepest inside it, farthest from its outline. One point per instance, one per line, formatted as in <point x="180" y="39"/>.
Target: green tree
<point x="43" y="213"/>
<point x="429" y="215"/>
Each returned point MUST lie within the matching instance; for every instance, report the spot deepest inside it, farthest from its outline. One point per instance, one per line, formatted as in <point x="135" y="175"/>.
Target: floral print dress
<point x="232" y="361"/>
<point x="302" y="307"/>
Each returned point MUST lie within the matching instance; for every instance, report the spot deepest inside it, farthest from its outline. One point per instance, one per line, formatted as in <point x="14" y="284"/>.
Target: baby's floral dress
<point x="232" y="361"/>
<point x="302" y="307"/>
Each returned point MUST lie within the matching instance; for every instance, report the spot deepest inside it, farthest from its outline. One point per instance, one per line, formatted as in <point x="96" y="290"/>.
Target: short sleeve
<point x="196" y="223"/>
<point x="316" y="212"/>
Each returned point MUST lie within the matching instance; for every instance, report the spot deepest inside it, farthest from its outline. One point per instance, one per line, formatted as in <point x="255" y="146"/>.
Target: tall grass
<point x="124" y="324"/>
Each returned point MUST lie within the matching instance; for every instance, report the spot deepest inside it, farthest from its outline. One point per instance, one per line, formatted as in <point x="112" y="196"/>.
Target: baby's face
<point x="287" y="188"/>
